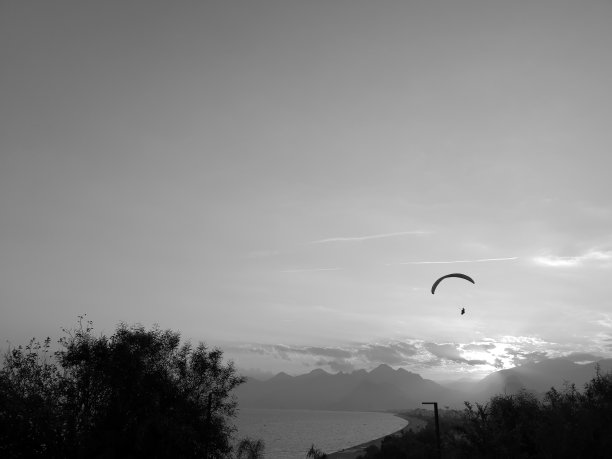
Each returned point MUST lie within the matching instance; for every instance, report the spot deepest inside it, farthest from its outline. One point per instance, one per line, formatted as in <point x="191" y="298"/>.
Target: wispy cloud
<point x="308" y="270"/>
<point x="368" y="237"/>
<point x="262" y="253"/>
<point x="479" y="260"/>
<point x="605" y="321"/>
<point x="569" y="262"/>
<point x="557" y="262"/>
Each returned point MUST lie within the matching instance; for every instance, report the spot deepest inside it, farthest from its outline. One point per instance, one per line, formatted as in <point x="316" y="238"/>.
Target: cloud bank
<point x="424" y="357"/>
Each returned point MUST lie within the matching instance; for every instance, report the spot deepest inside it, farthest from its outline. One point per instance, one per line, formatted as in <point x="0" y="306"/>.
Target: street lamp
<point x="435" y="404"/>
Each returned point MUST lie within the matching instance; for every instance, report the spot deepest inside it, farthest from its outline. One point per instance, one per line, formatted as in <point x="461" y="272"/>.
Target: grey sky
<point x="285" y="173"/>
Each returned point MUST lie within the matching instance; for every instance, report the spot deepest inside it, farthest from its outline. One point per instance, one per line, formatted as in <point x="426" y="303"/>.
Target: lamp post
<point x="208" y="424"/>
<point x="435" y="404"/>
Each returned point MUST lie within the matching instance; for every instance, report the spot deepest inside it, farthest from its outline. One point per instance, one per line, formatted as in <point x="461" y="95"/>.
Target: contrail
<point x="365" y="238"/>
<point x="480" y="260"/>
<point x="306" y="270"/>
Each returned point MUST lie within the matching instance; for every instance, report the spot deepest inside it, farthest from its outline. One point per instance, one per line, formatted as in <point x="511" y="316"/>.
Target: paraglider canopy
<point x="462" y="276"/>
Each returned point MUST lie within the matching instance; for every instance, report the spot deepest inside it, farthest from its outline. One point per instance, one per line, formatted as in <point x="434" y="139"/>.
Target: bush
<point x="563" y="424"/>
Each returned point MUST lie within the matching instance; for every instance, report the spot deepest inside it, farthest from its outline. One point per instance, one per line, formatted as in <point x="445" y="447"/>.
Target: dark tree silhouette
<point x="32" y="398"/>
<point x="137" y="393"/>
<point x="250" y="449"/>
<point x="315" y="453"/>
<point x="563" y="423"/>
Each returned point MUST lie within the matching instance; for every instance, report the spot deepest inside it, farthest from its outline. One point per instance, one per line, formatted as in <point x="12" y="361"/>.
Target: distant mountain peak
<point x="383" y="368"/>
<point x="281" y="376"/>
<point x="382" y="388"/>
<point x="318" y="372"/>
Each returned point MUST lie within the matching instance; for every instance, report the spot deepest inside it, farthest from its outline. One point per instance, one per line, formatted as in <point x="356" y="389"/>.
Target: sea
<point x="289" y="434"/>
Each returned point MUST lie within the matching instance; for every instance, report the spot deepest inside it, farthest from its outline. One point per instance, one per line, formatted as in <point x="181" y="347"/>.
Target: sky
<point x="287" y="179"/>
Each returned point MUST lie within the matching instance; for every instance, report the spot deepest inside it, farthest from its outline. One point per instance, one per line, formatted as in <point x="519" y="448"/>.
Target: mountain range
<point x="385" y="388"/>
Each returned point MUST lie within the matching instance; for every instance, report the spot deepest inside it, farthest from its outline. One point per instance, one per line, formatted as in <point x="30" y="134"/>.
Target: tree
<point x="315" y="453"/>
<point x="136" y="393"/>
<point x="563" y="423"/>
<point x="32" y="393"/>
<point x="507" y="426"/>
<point x="566" y="423"/>
<point x="579" y="424"/>
<point x="250" y="449"/>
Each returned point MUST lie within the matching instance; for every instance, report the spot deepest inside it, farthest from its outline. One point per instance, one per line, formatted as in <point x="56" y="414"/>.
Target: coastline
<point x="354" y="451"/>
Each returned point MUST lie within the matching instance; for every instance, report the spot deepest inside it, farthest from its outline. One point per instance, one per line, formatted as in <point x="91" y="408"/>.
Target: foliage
<point x="315" y="453"/>
<point x="32" y="394"/>
<point x="250" y="449"/>
<point x="506" y="427"/>
<point x="565" y="423"/>
<point x="136" y="393"/>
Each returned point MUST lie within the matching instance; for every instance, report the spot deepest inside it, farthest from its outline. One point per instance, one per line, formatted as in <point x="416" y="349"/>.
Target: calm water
<point x="288" y="434"/>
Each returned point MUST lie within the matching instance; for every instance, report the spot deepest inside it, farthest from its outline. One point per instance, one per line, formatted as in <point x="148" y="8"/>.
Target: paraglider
<point x="462" y="311"/>
<point x="462" y="276"/>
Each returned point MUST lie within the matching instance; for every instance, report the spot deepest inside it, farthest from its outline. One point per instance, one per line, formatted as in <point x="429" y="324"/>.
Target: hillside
<point x="539" y="377"/>
<point x="380" y="389"/>
<point x="387" y="389"/>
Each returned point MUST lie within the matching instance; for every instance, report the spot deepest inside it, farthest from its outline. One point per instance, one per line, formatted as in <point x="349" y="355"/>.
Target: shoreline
<point x="353" y="452"/>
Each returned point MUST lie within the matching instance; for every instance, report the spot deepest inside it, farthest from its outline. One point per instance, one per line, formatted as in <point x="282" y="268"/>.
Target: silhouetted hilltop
<point x="384" y="388"/>
<point x="380" y="389"/>
<point x="539" y="377"/>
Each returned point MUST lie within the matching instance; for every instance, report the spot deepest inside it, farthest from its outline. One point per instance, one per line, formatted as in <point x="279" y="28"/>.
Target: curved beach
<point x="354" y="451"/>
